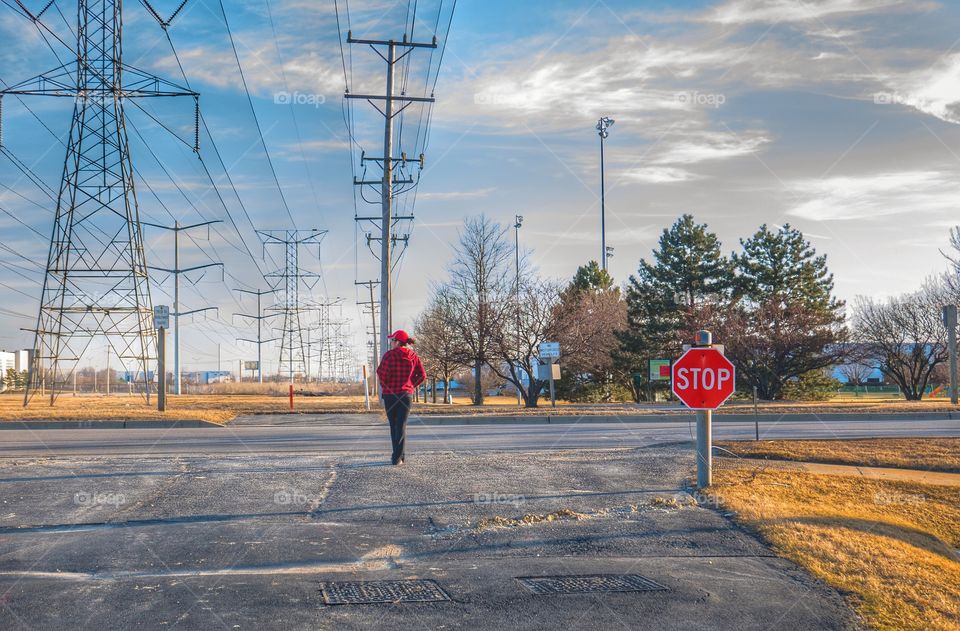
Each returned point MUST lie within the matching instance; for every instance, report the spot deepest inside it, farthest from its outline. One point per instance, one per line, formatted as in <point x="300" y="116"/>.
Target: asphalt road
<point x="255" y="541"/>
<point x="247" y="527"/>
<point x="366" y="437"/>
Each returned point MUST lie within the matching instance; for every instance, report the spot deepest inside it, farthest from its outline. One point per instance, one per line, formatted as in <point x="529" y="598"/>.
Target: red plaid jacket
<point x="400" y="371"/>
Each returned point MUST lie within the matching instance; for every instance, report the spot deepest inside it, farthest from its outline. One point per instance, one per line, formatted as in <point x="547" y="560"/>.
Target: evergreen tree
<point x="787" y="321"/>
<point x="591" y="277"/>
<point x="684" y="289"/>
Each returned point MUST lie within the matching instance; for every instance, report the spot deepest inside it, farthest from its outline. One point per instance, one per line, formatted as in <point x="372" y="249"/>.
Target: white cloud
<point x="920" y="193"/>
<point x="454" y="195"/>
<point x="935" y="91"/>
<point x="660" y="175"/>
<point x="738" y="12"/>
<point x="711" y="146"/>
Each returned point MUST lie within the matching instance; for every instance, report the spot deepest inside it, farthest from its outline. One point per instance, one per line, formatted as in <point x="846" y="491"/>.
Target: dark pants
<point x="398" y="408"/>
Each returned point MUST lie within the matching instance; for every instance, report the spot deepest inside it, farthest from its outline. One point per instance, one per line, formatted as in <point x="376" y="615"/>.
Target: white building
<point x="7" y="361"/>
<point x="18" y="360"/>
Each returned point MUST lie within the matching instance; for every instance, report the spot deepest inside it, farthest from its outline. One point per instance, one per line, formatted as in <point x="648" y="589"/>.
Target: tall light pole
<point x="518" y="221"/>
<point x="603" y="125"/>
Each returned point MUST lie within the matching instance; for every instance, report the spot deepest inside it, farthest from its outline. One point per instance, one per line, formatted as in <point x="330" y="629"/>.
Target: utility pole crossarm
<point x="381" y="42"/>
<point x="62" y="81"/>
<point x="183" y="270"/>
<point x="192" y="311"/>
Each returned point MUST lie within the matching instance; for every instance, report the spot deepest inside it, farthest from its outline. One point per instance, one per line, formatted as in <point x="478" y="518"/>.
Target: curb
<point x="115" y="424"/>
<point x="683" y="418"/>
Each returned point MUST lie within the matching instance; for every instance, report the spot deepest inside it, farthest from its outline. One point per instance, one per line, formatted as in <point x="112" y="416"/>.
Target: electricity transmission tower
<point x="293" y="354"/>
<point x="371" y="307"/>
<point x="177" y="271"/>
<point x="389" y="185"/>
<point x="96" y="282"/>
<point x="260" y="317"/>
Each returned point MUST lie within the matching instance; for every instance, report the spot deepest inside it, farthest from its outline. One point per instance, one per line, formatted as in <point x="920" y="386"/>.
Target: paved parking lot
<point x="248" y="540"/>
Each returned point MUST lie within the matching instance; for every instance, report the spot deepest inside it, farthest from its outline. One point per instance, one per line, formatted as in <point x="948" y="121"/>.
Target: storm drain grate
<point x="372" y="592"/>
<point x="589" y="583"/>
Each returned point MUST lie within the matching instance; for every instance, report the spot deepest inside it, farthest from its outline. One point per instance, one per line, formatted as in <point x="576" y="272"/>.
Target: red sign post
<point x="703" y="379"/>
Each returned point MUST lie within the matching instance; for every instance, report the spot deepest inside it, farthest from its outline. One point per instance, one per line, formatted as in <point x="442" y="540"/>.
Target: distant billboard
<point x="659" y="370"/>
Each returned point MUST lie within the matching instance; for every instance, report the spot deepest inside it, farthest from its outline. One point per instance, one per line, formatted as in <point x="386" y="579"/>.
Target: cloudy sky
<point x="839" y="117"/>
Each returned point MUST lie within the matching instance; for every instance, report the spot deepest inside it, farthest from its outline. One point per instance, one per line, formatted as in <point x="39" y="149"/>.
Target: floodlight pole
<point x="517" y="223"/>
<point x="603" y="125"/>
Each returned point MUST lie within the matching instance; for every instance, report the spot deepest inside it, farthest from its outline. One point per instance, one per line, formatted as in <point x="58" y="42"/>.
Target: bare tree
<point x="513" y="354"/>
<point x="479" y="291"/>
<point x="585" y="323"/>
<point x="438" y="341"/>
<point x="905" y="336"/>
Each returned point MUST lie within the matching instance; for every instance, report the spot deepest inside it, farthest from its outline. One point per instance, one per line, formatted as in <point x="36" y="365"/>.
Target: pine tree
<point x="684" y="289"/>
<point x="591" y="277"/>
<point x="788" y="322"/>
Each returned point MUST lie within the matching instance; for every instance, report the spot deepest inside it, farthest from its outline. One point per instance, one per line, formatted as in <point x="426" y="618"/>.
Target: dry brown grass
<point x="214" y="408"/>
<point x="890" y="546"/>
<point x="927" y="454"/>
<point x="224" y="406"/>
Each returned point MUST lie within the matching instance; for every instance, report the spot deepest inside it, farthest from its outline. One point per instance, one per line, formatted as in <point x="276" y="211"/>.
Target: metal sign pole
<point x="553" y="393"/>
<point x="162" y="365"/>
<point x="950" y="322"/>
<point x="704" y="428"/>
<point x="366" y="389"/>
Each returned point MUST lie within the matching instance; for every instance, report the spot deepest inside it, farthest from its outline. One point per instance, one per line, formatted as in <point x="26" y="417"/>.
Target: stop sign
<point x="703" y="378"/>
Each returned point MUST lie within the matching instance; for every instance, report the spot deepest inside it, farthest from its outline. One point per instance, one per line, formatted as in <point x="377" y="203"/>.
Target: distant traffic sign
<point x="161" y="317"/>
<point x="549" y="350"/>
<point x="703" y="378"/>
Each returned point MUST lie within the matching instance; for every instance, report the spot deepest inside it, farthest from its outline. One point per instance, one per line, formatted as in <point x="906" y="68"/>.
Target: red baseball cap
<point x="400" y="335"/>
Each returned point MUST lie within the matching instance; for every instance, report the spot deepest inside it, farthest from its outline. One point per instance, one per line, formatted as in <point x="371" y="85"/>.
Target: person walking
<point x="400" y="372"/>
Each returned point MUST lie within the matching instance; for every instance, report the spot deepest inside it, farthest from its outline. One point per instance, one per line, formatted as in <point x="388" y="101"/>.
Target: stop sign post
<point x="703" y="379"/>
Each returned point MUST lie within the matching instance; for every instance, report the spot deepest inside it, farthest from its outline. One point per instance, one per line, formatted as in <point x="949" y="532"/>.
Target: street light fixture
<point x="603" y="126"/>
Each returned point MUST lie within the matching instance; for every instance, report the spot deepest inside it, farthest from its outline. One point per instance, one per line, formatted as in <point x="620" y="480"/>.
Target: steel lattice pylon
<point x="96" y="282"/>
<point x="293" y="353"/>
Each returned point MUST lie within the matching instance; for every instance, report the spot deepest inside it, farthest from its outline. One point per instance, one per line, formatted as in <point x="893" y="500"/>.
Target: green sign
<point x="659" y="370"/>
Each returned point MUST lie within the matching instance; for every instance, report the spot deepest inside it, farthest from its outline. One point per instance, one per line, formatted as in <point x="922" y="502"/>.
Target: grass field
<point x="891" y="547"/>
<point x="222" y="406"/>
<point x="929" y="454"/>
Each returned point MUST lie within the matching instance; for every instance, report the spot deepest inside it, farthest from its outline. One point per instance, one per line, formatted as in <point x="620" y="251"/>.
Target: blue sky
<point x="837" y="116"/>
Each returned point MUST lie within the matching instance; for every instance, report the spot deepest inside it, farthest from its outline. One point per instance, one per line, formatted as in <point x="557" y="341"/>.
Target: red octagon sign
<point x="703" y="378"/>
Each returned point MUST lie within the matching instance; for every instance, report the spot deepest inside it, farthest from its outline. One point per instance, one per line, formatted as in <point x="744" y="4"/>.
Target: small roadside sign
<point x="660" y="369"/>
<point x="549" y="350"/>
<point x="161" y="317"/>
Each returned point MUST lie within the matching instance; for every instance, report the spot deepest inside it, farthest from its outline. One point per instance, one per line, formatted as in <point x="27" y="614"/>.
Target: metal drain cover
<point x="589" y="583"/>
<point x="372" y="592"/>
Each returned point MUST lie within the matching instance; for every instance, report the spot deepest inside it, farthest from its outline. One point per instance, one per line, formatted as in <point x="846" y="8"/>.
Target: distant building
<point x="207" y="376"/>
<point x="18" y="360"/>
<point x="15" y="360"/>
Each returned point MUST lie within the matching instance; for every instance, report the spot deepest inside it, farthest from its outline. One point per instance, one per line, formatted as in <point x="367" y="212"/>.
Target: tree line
<point x="771" y="303"/>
